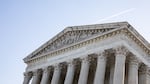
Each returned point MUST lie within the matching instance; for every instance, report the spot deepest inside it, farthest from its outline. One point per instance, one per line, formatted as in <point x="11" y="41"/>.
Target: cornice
<point x="126" y="30"/>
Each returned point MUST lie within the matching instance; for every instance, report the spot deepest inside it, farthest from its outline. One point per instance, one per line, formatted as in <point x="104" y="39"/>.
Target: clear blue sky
<point x="26" y="24"/>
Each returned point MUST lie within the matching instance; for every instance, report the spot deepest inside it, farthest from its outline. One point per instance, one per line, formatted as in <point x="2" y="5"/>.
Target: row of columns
<point x="118" y="72"/>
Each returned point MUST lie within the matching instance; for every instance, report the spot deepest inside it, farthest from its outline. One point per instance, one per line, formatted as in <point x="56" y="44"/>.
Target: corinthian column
<point x="119" y="71"/>
<point x="133" y="70"/>
<point x="100" y="70"/>
<point x="84" y="71"/>
<point x="37" y="77"/>
<point x="27" y="77"/>
<point x="70" y="73"/>
<point x="56" y="75"/>
<point x="144" y="74"/>
<point x="46" y="75"/>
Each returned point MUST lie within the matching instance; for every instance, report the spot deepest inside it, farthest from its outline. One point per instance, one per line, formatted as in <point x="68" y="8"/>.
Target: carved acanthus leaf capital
<point x="37" y="72"/>
<point x="62" y="65"/>
<point x="86" y="60"/>
<point x="121" y="50"/>
<point x="144" y="69"/>
<point x="132" y="60"/>
<point x="47" y="69"/>
<point x="57" y="66"/>
<point x="28" y="74"/>
<point x="102" y="55"/>
<point x="77" y="61"/>
<point x="71" y="63"/>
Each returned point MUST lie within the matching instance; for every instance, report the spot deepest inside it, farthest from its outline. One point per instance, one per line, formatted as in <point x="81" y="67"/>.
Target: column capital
<point x="71" y="62"/>
<point x="63" y="65"/>
<point x="56" y="66"/>
<point x="86" y="59"/>
<point x="28" y="74"/>
<point x="47" y="69"/>
<point x="27" y="77"/>
<point x="59" y="65"/>
<point x="37" y="72"/>
<point x="121" y="50"/>
<point x="77" y="61"/>
<point x="132" y="60"/>
<point x="102" y="55"/>
<point x="144" y="69"/>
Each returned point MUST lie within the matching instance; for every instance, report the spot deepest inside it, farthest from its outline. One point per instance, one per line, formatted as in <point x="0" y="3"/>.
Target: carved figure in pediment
<point x="73" y="37"/>
<point x="77" y="36"/>
<point x="82" y="35"/>
<point x="67" y="38"/>
<point x="55" y="45"/>
<point x="63" y="40"/>
<point x="52" y="46"/>
<point x="58" y="43"/>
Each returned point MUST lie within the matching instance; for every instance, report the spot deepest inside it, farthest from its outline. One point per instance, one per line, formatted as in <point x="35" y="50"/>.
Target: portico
<point x="112" y="53"/>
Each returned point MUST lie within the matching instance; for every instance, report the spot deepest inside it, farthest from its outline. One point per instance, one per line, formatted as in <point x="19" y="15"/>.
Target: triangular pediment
<point x="74" y="34"/>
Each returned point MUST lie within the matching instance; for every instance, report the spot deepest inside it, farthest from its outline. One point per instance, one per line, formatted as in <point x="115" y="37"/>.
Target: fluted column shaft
<point x="70" y="73"/>
<point x="133" y="71"/>
<point x="100" y="70"/>
<point x="84" y="72"/>
<point x="119" y="71"/>
<point x="27" y="78"/>
<point x="56" y="75"/>
<point x="37" y="77"/>
<point x="46" y="75"/>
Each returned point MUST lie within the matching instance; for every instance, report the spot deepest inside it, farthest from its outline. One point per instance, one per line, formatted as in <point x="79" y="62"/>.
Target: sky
<point x="27" y="24"/>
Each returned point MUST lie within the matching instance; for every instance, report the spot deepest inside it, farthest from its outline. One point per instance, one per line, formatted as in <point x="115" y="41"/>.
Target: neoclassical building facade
<point x="110" y="53"/>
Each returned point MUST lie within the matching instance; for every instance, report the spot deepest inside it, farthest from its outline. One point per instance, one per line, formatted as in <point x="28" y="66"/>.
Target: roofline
<point x="85" y="27"/>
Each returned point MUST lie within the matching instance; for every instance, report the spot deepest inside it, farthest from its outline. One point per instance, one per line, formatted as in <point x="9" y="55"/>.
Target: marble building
<point x="110" y="53"/>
